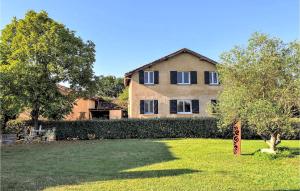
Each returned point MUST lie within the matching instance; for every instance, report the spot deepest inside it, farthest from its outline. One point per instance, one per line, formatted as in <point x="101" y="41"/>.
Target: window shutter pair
<point x="173" y="106"/>
<point x="141" y="77"/>
<point x="142" y="106"/>
<point x="173" y="77"/>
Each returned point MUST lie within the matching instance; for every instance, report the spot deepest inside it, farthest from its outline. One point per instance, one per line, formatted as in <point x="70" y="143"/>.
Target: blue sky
<point x="130" y="33"/>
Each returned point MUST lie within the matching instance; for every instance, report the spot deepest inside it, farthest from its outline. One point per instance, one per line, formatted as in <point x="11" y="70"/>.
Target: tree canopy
<point x="109" y="86"/>
<point x="37" y="53"/>
<point x="261" y="85"/>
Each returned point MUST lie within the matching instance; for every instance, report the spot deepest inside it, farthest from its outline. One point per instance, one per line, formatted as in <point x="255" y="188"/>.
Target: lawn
<point x="173" y="164"/>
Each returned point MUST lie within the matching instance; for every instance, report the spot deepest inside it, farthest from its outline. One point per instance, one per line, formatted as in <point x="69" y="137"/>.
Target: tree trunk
<point x="35" y="115"/>
<point x="273" y="142"/>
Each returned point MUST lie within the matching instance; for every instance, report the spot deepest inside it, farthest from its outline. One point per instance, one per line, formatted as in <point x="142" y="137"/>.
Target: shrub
<point x="15" y="127"/>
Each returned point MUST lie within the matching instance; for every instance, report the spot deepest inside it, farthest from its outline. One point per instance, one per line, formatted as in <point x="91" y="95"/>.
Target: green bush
<point x="14" y="126"/>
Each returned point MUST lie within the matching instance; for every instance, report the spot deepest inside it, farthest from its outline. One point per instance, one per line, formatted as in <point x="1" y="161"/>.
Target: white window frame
<point x="184" y="101"/>
<point x="148" y="77"/>
<point x="212" y="78"/>
<point x="149" y="101"/>
<point x="182" y="77"/>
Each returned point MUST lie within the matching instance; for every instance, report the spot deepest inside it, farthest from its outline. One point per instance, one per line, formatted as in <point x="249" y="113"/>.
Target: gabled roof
<point x="184" y="50"/>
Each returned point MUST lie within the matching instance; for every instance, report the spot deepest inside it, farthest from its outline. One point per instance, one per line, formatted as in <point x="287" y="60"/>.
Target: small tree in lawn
<point x="261" y="86"/>
<point x="37" y="53"/>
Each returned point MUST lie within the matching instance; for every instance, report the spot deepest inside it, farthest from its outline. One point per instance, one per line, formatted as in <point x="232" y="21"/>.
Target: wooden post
<point x="237" y="138"/>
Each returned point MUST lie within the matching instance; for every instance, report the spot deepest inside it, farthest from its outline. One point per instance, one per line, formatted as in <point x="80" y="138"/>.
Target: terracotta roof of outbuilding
<point x="183" y="50"/>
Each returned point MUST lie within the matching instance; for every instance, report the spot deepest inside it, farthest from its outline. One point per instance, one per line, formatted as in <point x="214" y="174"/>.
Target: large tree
<point x="36" y="54"/>
<point x="261" y="86"/>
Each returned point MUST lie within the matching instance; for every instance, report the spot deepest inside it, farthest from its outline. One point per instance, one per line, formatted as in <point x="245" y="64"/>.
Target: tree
<point x="261" y="86"/>
<point x="109" y="86"/>
<point x="37" y="53"/>
<point x="10" y="105"/>
<point x="122" y="99"/>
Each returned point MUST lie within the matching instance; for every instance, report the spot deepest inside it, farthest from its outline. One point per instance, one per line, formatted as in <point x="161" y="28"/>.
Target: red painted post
<point x="237" y="138"/>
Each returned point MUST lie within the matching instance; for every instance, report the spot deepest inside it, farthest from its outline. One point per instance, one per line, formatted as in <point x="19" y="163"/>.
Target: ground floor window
<point x="184" y="106"/>
<point x="149" y="106"/>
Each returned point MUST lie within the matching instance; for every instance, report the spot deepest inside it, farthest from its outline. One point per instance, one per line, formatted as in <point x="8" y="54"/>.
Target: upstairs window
<point x="213" y="78"/>
<point x="183" y="78"/>
<point x="148" y="77"/>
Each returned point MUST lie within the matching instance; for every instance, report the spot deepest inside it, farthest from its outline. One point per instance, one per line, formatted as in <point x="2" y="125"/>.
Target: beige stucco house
<point x="181" y="84"/>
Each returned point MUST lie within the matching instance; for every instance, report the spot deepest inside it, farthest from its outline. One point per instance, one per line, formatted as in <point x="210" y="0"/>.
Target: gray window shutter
<point x="155" y="106"/>
<point x="193" y="77"/>
<point x="141" y="106"/>
<point x="156" y="77"/>
<point x="173" y="106"/>
<point x="206" y="77"/>
<point x="195" y="106"/>
<point x="173" y="77"/>
<point x="141" y="77"/>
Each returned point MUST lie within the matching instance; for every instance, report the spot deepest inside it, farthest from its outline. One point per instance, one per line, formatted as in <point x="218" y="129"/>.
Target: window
<point x="184" y="106"/>
<point x="183" y="78"/>
<point x="149" y="106"/>
<point x="213" y="78"/>
<point x="148" y="77"/>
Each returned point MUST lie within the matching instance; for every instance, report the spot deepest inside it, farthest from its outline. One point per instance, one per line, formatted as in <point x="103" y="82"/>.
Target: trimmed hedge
<point x="134" y="128"/>
<point x="205" y="127"/>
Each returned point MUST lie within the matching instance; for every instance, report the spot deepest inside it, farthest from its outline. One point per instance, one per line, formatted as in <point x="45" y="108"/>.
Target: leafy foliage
<point x="109" y="86"/>
<point x="37" y="53"/>
<point x="15" y="127"/>
<point x="261" y="84"/>
<point x="122" y="99"/>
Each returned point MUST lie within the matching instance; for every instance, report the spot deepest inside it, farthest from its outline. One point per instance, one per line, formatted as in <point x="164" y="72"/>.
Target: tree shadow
<point x="36" y="167"/>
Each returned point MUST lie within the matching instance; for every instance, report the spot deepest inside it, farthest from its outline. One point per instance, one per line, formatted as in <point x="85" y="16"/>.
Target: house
<point x="86" y="108"/>
<point x="92" y="108"/>
<point x="181" y="84"/>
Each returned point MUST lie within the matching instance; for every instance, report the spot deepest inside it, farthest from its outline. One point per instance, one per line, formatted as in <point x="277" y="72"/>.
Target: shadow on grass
<point x="282" y="152"/>
<point x="36" y="167"/>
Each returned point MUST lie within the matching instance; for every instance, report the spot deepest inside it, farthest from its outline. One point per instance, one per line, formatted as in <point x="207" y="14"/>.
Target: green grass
<point x="174" y="164"/>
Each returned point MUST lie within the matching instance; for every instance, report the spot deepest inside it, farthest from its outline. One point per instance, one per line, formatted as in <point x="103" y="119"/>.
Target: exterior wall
<point x="164" y="91"/>
<point x="115" y="114"/>
<point x="82" y="105"/>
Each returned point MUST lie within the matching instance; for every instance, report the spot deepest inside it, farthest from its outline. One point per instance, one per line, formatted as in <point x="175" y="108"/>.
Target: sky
<point x="131" y="33"/>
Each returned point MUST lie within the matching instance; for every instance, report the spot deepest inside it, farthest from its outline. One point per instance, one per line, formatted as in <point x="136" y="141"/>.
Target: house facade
<point x="181" y="84"/>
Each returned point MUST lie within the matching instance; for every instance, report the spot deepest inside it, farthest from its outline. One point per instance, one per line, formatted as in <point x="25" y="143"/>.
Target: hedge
<point x="134" y="128"/>
<point x="205" y="127"/>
